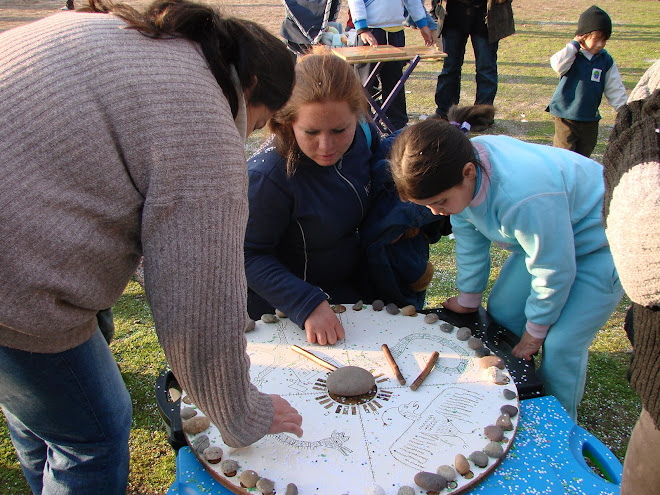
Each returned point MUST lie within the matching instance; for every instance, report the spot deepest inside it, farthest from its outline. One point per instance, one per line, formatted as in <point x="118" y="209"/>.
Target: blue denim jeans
<point x="448" y="88"/>
<point x="69" y="416"/>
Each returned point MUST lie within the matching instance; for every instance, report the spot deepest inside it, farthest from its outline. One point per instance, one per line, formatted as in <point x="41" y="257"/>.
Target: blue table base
<point x="547" y="457"/>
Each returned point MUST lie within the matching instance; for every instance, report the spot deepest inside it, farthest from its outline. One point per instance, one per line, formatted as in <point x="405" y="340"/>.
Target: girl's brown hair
<point x="263" y="63"/>
<point x="428" y="158"/>
<point x="320" y="77"/>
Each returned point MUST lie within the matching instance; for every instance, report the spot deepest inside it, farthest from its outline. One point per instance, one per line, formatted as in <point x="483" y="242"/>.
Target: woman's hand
<point x="427" y="36"/>
<point x="452" y="305"/>
<point x="527" y="347"/>
<point x="322" y="326"/>
<point x="285" y="418"/>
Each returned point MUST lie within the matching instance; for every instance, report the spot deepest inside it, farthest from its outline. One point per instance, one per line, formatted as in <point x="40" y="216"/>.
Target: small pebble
<point x="279" y="313"/>
<point x="358" y="305"/>
<point x="462" y="465"/>
<point x="497" y="375"/>
<point x="447" y="327"/>
<point x="201" y="443"/>
<point x="251" y="324"/>
<point x="494" y="450"/>
<point x="392" y="309"/>
<point x="481" y="352"/>
<point x="504" y="422"/>
<point x="430" y="481"/>
<point x="512" y="411"/>
<point x="338" y="308"/>
<point x="196" y="425"/>
<point x="509" y="394"/>
<point x="291" y="489"/>
<point x="474" y="343"/>
<point x="187" y="400"/>
<point x="249" y="478"/>
<point x="479" y="458"/>
<point x="229" y="467"/>
<point x="213" y="454"/>
<point x="463" y="333"/>
<point x="409" y="310"/>
<point x="265" y="486"/>
<point x="350" y="381"/>
<point x="375" y="490"/>
<point x="377" y="305"/>
<point x="187" y="413"/>
<point x="447" y="472"/>
<point x="494" y="433"/>
<point x="405" y="490"/>
<point x="488" y="361"/>
<point x="430" y="319"/>
<point x="268" y="318"/>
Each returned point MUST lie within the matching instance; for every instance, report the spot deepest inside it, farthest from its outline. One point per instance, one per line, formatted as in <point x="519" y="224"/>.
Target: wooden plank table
<point x="387" y="53"/>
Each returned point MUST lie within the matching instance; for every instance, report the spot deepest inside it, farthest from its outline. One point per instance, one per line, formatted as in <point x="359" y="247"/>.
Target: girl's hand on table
<point x="452" y="305"/>
<point x="285" y="418"/>
<point x="322" y="326"/>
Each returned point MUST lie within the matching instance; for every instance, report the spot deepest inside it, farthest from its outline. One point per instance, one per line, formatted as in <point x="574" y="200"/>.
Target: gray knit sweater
<point x="114" y="145"/>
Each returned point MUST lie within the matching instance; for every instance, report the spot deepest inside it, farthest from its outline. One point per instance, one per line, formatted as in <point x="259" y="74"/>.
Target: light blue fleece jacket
<point x="538" y="200"/>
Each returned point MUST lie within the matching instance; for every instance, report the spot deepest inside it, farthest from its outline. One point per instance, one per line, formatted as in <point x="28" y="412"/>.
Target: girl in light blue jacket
<point x="559" y="284"/>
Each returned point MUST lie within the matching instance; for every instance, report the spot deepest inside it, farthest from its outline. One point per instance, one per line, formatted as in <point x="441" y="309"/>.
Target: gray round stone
<point x="392" y="309"/>
<point x="229" y="467"/>
<point x="494" y="450"/>
<point x="291" y="489"/>
<point x="463" y="333"/>
<point x="447" y="472"/>
<point x="269" y="318"/>
<point x="377" y="305"/>
<point x="213" y="454"/>
<point x="187" y="413"/>
<point x="349" y="381"/>
<point x="430" y="319"/>
<point x="509" y="394"/>
<point x="494" y="433"/>
<point x="405" y="490"/>
<point x="512" y="411"/>
<point x="358" y="305"/>
<point x="430" y="481"/>
<point x="265" y="486"/>
<point x="474" y="343"/>
<point x="249" y="478"/>
<point x="446" y="327"/>
<point x="251" y="324"/>
<point x="201" y="443"/>
<point x="479" y="458"/>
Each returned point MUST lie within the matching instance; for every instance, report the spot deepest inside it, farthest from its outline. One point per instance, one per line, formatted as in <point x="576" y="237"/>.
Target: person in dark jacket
<point x="485" y="22"/>
<point x="302" y="24"/>
<point x="308" y="195"/>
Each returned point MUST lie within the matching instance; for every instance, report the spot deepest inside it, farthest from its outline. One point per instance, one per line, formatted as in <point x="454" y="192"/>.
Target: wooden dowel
<point x="313" y="357"/>
<point x="393" y="365"/>
<point x="426" y="371"/>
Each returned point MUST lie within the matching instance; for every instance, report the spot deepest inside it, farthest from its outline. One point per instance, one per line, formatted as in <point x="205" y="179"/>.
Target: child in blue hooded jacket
<point x="559" y="284"/>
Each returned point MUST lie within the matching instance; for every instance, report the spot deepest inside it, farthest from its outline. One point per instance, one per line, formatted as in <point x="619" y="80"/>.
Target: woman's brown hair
<point x="320" y="77"/>
<point x="428" y="157"/>
<point x="263" y="63"/>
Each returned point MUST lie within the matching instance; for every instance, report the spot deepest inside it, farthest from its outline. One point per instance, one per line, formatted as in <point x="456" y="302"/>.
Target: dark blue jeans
<point x="389" y="75"/>
<point x="448" y="89"/>
<point x="69" y="416"/>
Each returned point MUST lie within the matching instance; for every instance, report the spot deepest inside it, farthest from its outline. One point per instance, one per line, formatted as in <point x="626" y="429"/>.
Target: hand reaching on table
<point x="285" y="418"/>
<point x="527" y="347"/>
<point x="368" y="38"/>
<point x="322" y="326"/>
<point x="427" y="36"/>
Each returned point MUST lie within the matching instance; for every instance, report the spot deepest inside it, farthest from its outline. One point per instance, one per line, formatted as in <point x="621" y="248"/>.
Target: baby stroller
<point x="307" y="21"/>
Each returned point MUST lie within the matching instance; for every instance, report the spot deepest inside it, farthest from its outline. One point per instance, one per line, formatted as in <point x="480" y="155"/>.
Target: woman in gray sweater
<point x="122" y="136"/>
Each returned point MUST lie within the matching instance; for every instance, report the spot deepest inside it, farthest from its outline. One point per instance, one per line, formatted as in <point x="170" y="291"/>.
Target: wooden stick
<point x="313" y="357"/>
<point x="393" y="365"/>
<point x="426" y="371"/>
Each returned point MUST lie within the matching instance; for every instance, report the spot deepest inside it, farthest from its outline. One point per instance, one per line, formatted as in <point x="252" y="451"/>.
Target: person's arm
<point x="417" y="11"/>
<point x="193" y="225"/>
<point x="549" y="246"/>
<point x="562" y="61"/>
<point x="615" y="91"/>
<point x="271" y="210"/>
<point x="472" y="264"/>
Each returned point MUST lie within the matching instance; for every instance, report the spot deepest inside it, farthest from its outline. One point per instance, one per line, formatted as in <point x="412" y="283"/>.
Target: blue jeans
<point x="448" y="88"/>
<point x="69" y="416"/>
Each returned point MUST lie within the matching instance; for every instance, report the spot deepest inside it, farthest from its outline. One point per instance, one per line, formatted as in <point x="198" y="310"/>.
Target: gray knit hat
<point x="594" y="19"/>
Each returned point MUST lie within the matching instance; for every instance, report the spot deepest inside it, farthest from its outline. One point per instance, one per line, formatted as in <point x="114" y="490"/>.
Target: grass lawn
<point x="609" y="409"/>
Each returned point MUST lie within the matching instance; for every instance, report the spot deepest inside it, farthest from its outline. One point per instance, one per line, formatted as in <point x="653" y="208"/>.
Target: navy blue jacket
<point x="581" y="89"/>
<point x="302" y="244"/>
